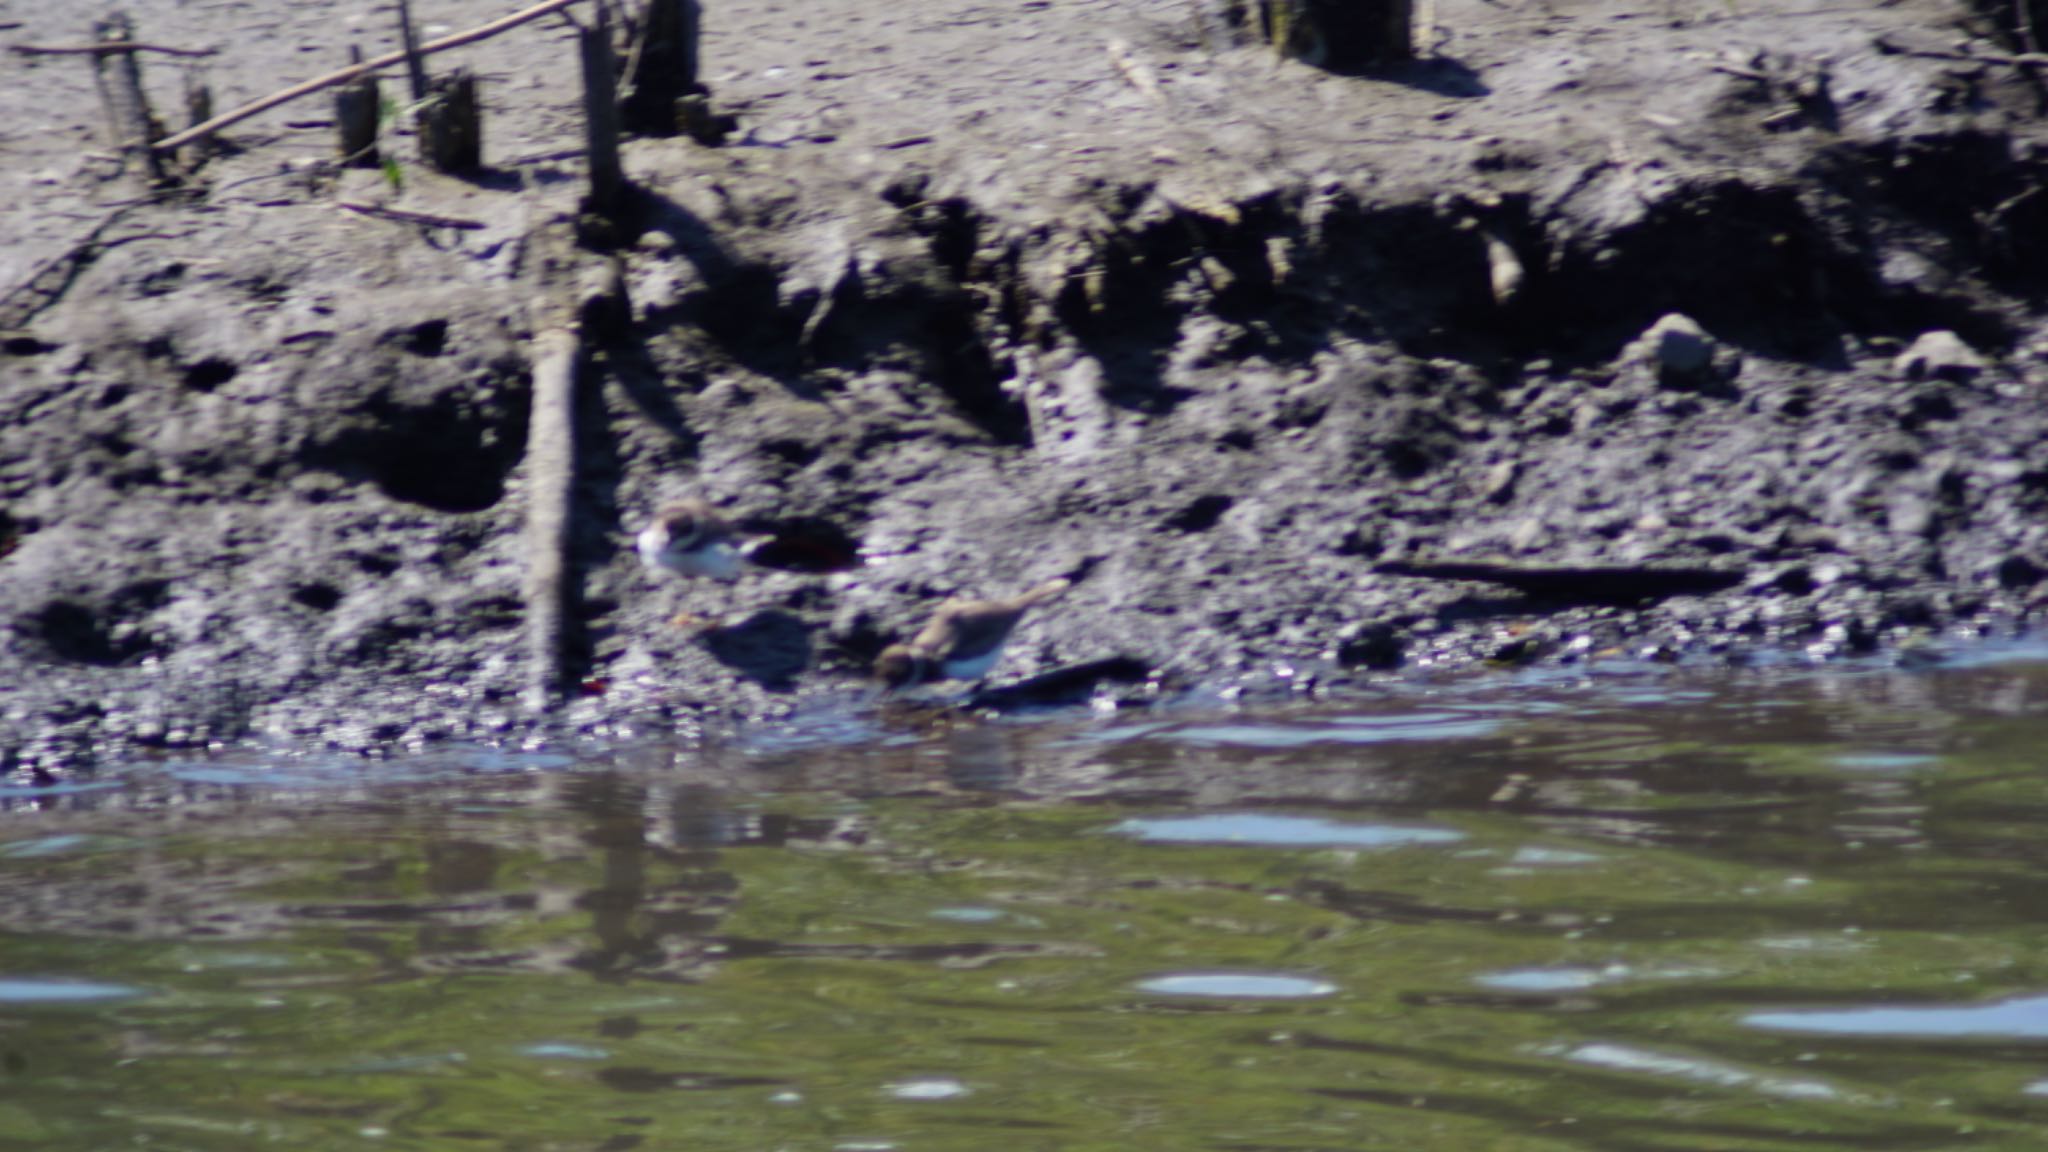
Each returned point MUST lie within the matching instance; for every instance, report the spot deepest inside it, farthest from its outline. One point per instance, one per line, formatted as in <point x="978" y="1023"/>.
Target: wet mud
<point x="1600" y="331"/>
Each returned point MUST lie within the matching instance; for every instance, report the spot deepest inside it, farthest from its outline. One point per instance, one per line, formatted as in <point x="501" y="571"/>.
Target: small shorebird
<point x="963" y="639"/>
<point x="690" y="537"/>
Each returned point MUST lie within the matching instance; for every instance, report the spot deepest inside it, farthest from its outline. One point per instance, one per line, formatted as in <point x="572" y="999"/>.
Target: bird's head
<point x="898" y="666"/>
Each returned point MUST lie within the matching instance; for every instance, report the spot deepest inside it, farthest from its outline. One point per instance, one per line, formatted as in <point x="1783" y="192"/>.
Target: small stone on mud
<point x="1940" y="355"/>
<point x="1684" y="354"/>
<point x="1499" y="485"/>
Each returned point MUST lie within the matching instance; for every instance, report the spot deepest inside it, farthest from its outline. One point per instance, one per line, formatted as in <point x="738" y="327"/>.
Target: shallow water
<point x="1632" y="909"/>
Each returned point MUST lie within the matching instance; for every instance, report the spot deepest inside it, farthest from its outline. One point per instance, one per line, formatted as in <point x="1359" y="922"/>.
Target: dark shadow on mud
<point x="497" y="179"/>
<point x="770" y="647"/>
<point x="1438" y="75"/>
<point x="738" y="307"/>
<point x="809" y="544"/>
<point x="639" y="378"/>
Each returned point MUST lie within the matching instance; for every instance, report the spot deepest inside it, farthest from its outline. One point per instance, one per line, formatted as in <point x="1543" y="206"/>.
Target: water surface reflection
<point x="1652" y="909"/>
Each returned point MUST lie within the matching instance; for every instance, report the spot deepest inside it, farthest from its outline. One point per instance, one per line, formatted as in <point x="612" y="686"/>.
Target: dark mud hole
<point x="961" y="307"/>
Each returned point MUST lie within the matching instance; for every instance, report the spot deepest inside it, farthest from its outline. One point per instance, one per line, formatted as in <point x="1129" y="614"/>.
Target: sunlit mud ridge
<point x="1591" y="334"/>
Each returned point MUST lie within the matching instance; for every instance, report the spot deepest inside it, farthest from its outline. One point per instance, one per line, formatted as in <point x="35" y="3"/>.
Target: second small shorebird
<point x="690" y="537"/>
<point x="963" y="640"/>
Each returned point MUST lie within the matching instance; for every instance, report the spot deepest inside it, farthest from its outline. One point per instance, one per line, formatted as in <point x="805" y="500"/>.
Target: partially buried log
<point x="119" y="76"/>
<point x="358" y="105"/>
<point x="552" y="582"/>
<point x="451" y="124"/>
<point x="551" y="482"/>
<point x="1340" y="35"/>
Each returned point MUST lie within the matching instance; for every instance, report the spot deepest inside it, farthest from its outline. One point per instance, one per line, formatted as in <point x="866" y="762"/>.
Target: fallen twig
<point x="48" y="283"/>
<point x="407" y="216"/>
<point x="107" y="48"/>
<point x="1134" y="71"/>
<point x="344" y="75"/>
<point x="2007" y="60"/>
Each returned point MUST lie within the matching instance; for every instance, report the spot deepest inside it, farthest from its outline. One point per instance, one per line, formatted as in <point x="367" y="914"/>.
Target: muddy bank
<point x="981" y="295"/>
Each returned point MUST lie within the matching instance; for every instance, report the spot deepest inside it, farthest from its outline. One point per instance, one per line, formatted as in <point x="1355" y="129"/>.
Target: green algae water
<point x="1635" y="909"/>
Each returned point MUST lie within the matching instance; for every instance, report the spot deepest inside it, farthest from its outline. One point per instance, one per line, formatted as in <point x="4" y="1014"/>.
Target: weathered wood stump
<point x="662" y="66"/>
<point x="451" y="124"/>
<point x="198" y="110"/>
<point x="358" y="106"/>
<point x="1340" y="35"/>
<point x="130" y="123"/>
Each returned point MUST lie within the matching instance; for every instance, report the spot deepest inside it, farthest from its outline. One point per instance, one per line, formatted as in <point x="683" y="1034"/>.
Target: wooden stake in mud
<point x="451" y="124"/>
<point x="662" y="68"/>
<point x="601" y="121"/>
<point x="307" y="87"/>
<point x="198" y="110"/>
<point x="119" y="76"/>
<point x="1341" y="35"/>
<point x="357" y="106"/>
<point x="415" y="64"/>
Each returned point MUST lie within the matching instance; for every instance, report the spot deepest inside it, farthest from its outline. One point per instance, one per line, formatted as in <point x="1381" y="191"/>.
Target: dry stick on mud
<point x="2002" y="59"/>
<point x="104" y="48"/>
<point x="284" y="96"/>
<point x="408" y="216"/>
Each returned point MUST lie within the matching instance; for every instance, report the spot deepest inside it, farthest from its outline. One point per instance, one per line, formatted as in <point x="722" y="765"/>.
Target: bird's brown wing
<point x="965" y="628"/>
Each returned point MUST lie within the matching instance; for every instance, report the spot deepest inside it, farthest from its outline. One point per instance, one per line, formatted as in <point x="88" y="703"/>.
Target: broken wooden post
<point x="357" y="107"/>
<point x="662" y="67"/>
<point x="119" y="76"/>
<point x="1340" y="35"/>
<point x="451" y="124"/>
<point x="198" y="110"/>
<point x="601" y="122"/>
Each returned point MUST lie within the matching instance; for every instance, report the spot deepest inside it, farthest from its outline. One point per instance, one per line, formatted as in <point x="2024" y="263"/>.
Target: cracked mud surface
<point x="984" y="293"/>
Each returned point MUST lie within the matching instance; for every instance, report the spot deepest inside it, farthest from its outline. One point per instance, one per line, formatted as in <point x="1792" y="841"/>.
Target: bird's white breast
<point x="717" y="561"/>
<point x="652" y="540"/>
